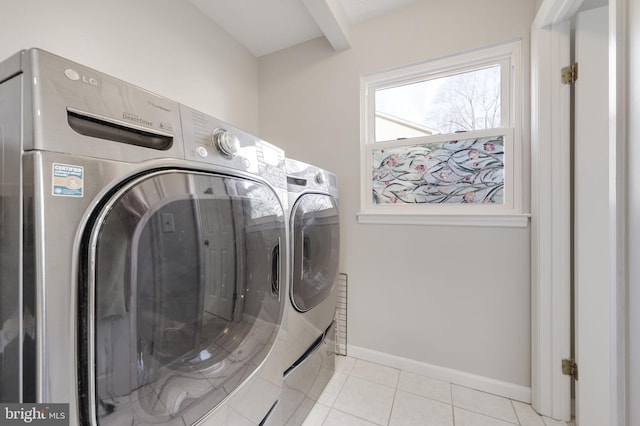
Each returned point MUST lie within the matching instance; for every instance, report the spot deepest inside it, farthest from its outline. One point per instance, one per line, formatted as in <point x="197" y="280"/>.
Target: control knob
<point x="320" y="178"/>
<point x="226" y="142"/>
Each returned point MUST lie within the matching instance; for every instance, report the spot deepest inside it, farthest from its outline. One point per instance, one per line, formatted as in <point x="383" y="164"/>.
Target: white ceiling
<point x="266" y="26"/>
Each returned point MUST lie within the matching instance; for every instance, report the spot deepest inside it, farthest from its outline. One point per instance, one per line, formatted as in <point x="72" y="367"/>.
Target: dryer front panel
<point x="184" y="273"/>
<point x="316" y="241"/>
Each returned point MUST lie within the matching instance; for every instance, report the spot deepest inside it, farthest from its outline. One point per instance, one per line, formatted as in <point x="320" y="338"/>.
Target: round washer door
<point x="316" y="242"/>
<point x="183" y="284"/>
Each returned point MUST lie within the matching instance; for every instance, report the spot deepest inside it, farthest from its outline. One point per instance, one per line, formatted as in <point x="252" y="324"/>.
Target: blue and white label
<point x="68" y="180"/>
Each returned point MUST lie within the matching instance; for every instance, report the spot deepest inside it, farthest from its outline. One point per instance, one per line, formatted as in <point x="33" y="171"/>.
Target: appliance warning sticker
<point x="68" y="180"/>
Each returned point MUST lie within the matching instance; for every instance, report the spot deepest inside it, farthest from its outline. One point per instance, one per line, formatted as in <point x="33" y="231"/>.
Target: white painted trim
<point x="474" y="381"/>
<point x="629" y="29"/>
<point x="548" y="307"/>
<point x="551" y="209"/>
<point x="479" y="220"/>
<point x="555" y="11"/>
<point x="619" y="214"/>
<point x="332" y="20"/>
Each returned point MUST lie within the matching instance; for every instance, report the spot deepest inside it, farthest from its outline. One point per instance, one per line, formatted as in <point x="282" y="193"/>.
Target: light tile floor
<point x="362" y="393"/>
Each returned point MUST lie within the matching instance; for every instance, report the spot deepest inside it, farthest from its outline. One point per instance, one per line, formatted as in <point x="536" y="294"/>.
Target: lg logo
<point x="75" y="76"/>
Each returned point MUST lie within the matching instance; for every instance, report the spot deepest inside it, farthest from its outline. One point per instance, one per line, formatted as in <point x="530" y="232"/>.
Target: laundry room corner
<point x="450" y="297"/>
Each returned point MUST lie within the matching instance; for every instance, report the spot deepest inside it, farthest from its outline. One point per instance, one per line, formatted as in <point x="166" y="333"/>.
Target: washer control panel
<point x="226" y="142"/>
<point x="271" y="163"/>
<point x="212" y="141"/>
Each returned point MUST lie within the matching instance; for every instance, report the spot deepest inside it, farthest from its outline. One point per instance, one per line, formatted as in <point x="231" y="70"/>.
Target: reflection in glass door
<point x="186" y="291"/>
<point x="218" y="232"/>
<point x="315" y="254"/>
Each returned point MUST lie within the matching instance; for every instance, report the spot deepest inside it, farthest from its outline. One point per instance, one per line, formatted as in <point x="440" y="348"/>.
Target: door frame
<point x="551" y="208"/>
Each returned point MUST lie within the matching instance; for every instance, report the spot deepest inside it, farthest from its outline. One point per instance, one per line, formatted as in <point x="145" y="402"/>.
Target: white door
<point x="220" y="254"/>
<point x="591" y="220"/>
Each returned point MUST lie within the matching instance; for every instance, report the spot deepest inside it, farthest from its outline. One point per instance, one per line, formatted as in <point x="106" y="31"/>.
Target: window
<point x="441" y="141"/>
<point x="465" y="101"/>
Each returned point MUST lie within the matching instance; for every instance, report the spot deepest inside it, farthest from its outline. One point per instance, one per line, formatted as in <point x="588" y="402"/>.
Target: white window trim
<point x="508" y="215"/>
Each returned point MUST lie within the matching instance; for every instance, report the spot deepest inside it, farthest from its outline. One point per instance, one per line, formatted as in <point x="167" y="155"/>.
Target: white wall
<point x="454" y="297"/>
<point x="164" y="46"/>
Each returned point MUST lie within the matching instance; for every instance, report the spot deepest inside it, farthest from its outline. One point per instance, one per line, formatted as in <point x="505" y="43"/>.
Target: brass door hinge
<point x="569" y="74"/>
<point x="570" y="368"/>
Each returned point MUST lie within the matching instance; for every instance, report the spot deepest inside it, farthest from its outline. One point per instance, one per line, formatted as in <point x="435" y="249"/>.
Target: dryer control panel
<point x="304" y="177"/>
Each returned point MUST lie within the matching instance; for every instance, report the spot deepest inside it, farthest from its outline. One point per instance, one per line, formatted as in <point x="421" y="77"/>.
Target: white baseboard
<point x="473" y="381"/>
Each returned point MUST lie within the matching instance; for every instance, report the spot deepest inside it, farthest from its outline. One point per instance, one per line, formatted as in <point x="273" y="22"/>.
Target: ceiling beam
<point x="332" y="20"/>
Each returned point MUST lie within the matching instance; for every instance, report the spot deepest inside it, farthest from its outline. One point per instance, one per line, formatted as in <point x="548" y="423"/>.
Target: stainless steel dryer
<point x="315" y="241"/>
<point x="143" y="266"/>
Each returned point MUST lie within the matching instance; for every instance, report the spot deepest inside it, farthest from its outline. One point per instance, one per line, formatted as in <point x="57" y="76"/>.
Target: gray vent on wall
<point x="341" y="315"/>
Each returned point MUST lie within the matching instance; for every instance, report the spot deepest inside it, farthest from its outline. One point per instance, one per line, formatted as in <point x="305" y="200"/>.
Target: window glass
<point x="456" y="171"/>
<point x="442" y="141"/>
<point x="463" y="101"/>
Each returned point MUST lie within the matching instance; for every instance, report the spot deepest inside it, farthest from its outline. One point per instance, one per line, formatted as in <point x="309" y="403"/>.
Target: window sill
<point x="505" y="220"/>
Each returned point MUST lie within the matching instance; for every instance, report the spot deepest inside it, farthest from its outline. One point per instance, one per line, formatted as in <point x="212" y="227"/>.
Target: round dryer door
<point x="184" y="280"/>
<point x="316" y="242"/>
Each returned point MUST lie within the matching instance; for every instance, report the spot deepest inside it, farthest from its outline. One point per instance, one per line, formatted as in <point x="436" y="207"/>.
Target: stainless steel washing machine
<point x="315" y="241"/>
<point x="143" y="251"/>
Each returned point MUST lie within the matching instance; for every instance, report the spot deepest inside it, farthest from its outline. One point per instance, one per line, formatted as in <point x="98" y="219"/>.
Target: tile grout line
<point x="485" y="414"/>
<point x="453" y="411"/>
<point x="396" y="389"/>
<point x="395" y="395"/>
<point x="516" y="412"/>
<point x="375" y="383"/>
<point x="333" y="403"/>
<point x="354" y="415"/>
<point x="489" y="416"/>
<point x="324" y="419"/>
<point x="430" y="398"/>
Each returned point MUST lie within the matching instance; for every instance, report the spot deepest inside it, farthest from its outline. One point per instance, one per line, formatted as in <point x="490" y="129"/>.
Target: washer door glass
<point x="316" y="237"/>
<point x="186" y="284"/>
